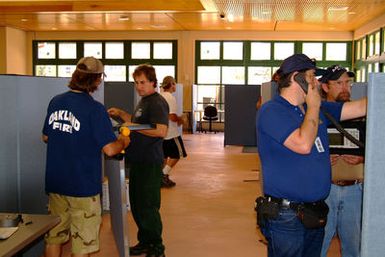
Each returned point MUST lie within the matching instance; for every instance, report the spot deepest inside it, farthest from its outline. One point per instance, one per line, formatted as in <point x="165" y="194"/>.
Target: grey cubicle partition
<point x="24" y="101"/>
<point x="359" y="90"/>
<point x="115" y="171"/>
<point x="23" y="105"/>
<point x="268" y="90"/>
<point x="240" y="111"/>
<point x="373" y="222"/>
<point x="121" y="95"/>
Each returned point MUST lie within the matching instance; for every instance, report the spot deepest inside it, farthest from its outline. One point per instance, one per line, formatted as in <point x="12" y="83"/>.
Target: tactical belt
<point x="344" y="183"/>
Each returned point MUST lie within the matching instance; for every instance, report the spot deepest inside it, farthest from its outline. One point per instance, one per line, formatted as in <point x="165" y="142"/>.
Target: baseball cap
<point x="92" y="64"/>
<point x="334" y="72"/>
<point x="167" y="80"/>
<point x="299" y="62"/>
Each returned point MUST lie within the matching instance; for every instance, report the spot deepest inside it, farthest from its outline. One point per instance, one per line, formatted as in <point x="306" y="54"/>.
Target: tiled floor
<point x="210" y="211"/>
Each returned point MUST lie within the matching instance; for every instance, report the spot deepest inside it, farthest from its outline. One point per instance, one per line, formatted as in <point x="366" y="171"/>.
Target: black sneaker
<point x="151" y="254"/>
<point x="156" y="251"/>
<point x="167" y="182"/>
<point x="139" y="249"/>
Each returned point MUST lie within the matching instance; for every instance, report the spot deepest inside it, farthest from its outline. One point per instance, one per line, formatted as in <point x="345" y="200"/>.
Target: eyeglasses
<point x="341" y="83"/>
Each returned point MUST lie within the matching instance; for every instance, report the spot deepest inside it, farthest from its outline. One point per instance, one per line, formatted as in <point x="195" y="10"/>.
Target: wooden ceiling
<point x="154" y="15"/>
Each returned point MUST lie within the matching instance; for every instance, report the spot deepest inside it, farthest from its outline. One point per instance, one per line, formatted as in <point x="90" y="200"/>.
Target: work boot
<point x="139" y="249"/>
<point x="167" y="182"/>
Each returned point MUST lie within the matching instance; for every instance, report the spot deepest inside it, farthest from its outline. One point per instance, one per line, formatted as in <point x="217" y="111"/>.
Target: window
<point x="140" y="50"/>
<point x="377" y="43"/>
<point x="369" y="57"/>
<point x="221" y="63"/>
<point x="313" y="50"/>
<point x="210" y="51"/>
<point x="46" y="50"/>
<point x="363" y="48"/>
<point x="209" y="75"/>
<point x="67" y="50"/>
<point x="45" y="70"/>
<point x="283" y="50"/>
<point x="259" y="75"/>
<point x="371" y="45"/>
<point x="336" y="51"/>
<point x="260" y="51"/>
<point x="233" y="50"/>
<point x="163" y="50"/>
<point x="233" y="75"/>
<point x="115" y="72"/>
<point x="93" y="49"/>
<point x="163" y="71"/>
<point x="114" y="50"/>
<point x="120" y="58"/>
<point x="358" y="50"/>
<point x="65" y="70"/>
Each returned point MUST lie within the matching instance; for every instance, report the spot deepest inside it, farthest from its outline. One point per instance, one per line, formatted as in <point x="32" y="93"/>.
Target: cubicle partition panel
<point x="121" y="95"/>
<point x="194" y="100"/>
<point x="359" y="90"/>
<point x="24" y="102"/>
<point x="115" y="172"/>
<point x="373" y="222"/>
<point x="9" y="174"/>
<point x="240" y="110"/>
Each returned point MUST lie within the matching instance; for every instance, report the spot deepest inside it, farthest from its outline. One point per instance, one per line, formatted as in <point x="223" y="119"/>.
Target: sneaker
<point x="167" y="182"/>
<point x="156" y="251"/>
<point x="151" y="254"/>
<point x="139" y="249"/>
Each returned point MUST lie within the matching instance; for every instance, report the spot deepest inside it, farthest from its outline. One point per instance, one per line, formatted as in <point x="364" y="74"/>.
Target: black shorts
<point x="174" y="148"/>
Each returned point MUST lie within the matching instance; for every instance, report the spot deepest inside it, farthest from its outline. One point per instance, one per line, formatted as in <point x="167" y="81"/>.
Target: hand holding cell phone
<point x="313" y="97"/>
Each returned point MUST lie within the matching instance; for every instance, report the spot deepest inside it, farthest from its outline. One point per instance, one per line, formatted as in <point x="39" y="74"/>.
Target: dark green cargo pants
<point x="145" y="181"/>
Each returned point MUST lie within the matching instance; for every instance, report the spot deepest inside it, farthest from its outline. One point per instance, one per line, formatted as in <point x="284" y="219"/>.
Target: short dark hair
<point x="84" y="82"/>
<point x="148" y="71"/>
<point x="284" y="80"/>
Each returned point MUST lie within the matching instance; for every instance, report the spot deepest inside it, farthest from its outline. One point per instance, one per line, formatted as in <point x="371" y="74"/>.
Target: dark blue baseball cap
<point x="299" y="62"/>
<point x="334" y="72"/>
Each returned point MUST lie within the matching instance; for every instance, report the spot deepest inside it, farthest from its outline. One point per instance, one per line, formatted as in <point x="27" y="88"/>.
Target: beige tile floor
<point x="210" y="211"/>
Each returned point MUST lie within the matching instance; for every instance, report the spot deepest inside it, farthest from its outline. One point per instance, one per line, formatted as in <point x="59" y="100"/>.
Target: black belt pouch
<point x="313" y="215"/>
<point x="266" y="210"/>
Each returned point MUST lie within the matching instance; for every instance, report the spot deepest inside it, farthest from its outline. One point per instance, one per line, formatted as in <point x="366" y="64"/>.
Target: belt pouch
<point x="313" y="215"/>
<point x="266" y="209"/>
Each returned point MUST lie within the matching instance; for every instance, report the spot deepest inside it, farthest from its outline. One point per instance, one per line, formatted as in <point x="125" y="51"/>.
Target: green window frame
<point x="260" y="67"/>
<point x="369" y="54"/>
<point x="127" y="60"/>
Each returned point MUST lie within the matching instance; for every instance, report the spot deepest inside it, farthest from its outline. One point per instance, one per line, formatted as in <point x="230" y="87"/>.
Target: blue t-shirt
<point x="286" y="174"/>
<point x="78" y="127"/>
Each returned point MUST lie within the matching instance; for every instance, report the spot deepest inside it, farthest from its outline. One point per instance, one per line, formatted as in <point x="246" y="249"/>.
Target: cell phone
<point x="301" y="80"/>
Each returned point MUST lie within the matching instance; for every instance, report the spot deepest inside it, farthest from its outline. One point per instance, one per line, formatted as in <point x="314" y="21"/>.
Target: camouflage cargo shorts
<point x="80" y="220"/>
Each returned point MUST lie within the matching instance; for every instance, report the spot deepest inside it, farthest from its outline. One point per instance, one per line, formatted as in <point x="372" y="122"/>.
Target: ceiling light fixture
<point x="230" y="17"/>
<point x="124" y="18"/>
<point x="155" y="26"/>
<point x="337" y="8"/>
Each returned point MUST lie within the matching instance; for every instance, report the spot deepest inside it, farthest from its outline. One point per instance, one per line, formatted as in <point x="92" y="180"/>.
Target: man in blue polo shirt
<point x="294" y="153"/>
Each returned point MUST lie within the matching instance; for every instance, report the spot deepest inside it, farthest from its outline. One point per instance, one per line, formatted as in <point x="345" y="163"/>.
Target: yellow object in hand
<point x="124" y="131"/>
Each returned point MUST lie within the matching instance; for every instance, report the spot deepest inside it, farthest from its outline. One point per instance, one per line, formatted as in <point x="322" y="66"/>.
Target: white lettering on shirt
<point x="64" y="120"/>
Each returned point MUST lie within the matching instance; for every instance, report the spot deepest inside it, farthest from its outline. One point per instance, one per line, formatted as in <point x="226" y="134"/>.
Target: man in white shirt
<point x="173" y="146"/>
